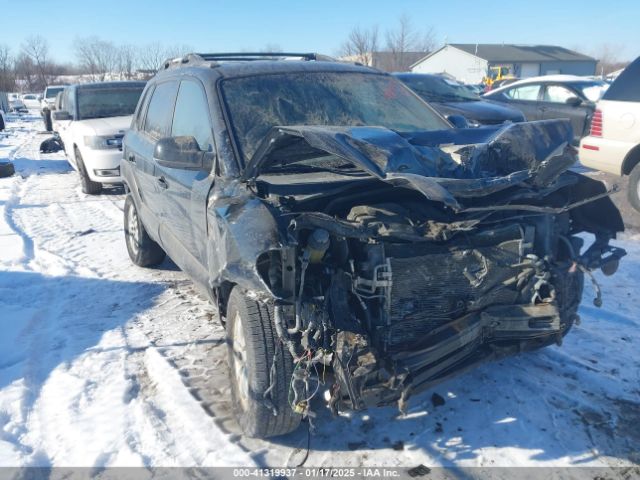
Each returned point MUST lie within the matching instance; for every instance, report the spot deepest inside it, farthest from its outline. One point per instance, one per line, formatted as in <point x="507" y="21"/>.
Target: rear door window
<point x="528" y="93"/>
<point x="557" y="94"/>
<point x="626" y="88"/>
<point x="160" y="112"/>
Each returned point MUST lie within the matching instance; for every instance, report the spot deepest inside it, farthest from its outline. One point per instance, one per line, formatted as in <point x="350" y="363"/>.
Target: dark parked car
<point x="554" y="96"/>
<point x="342" y="226"/>
<point x="451" y="98"/>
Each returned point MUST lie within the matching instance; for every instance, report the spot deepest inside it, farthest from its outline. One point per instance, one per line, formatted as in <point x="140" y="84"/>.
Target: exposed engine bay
<point x="395" y="280"/>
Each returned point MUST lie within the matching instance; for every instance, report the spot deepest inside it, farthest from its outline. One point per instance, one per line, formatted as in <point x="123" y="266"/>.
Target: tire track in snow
<point x="26" y="149"/>
<point x="9" y="211"/>
<point x="65" y="236"/>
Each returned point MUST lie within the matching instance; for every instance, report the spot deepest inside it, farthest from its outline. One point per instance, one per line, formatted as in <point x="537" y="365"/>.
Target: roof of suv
<point x="240" y="67"/>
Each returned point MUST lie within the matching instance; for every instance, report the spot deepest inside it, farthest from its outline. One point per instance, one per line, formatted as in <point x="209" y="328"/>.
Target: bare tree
<point x="151" y="56"/>
<point x="36" y="48"/>
<point x="405" y="38"/>
<point x="126" y="61"/>
<point x="608" y="59"/>
<point x="96" y="57"/>
<point x="361" y="45"/>
<point x="426" y="41"/>
<point x="26" y="73"/>
<point x="271" y="47"/>
<point x="7" y="73"/>
<point x="175" y="51"/>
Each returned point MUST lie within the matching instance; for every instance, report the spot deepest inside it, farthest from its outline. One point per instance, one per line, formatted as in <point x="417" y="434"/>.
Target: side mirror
<point x="573" y="101"/>
<point x="61" y="115"/>
<point x="179" y="152"/>
<point x="458" y="121"/>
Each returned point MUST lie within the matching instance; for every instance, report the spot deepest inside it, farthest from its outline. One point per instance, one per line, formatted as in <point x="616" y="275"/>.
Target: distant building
<point x="470" y="62"/>
<point x="387" y="61"/>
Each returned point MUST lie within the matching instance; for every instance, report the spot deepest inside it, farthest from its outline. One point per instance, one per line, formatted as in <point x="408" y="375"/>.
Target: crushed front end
<point x="404" y="278"/>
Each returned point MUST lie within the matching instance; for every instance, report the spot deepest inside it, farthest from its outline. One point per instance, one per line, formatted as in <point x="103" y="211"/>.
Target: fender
<point x="241" y="228"/>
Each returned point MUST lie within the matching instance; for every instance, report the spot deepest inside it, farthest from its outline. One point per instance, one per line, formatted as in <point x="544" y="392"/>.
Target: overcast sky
<point x="319" y="26"/>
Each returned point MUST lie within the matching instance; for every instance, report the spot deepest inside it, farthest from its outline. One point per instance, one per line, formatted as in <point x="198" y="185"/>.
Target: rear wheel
<point x="633" y="189"/>
<point x="252" y="343"/>
<point x="143" y="251"/>
<point x="88" y="186"/>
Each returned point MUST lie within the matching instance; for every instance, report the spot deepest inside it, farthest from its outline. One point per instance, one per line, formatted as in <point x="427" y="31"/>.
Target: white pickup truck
<point x="613" y="144"/>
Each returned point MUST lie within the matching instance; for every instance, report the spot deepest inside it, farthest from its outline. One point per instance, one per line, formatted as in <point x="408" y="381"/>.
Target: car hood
<point x="444" y="165"/>
<point x="109" y="125"/>
<point x="481" y="111"/>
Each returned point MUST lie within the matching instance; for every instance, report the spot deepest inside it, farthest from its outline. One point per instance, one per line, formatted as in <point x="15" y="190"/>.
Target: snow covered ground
<point x="101" y="362"/>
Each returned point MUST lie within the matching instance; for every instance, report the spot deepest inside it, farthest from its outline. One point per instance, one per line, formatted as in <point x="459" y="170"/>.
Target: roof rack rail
<point x="242" y="57"/>
<point x="245" y="56"/>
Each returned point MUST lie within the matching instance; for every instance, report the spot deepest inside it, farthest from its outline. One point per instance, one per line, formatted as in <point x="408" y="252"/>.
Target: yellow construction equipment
<point x="495" y="74"/>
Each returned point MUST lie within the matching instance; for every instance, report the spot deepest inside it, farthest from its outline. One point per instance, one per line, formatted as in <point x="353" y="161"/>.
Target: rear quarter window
<point x="142" y="108"/>
<point x="527" y="93"/>
<point x="626" y="88"/>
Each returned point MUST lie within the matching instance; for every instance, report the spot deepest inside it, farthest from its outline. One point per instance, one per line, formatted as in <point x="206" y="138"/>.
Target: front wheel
<point x="633" y="189"/>
<point x="88" y="186"/>
<point x="252" y="343"/>
<point x="142" y="250"/>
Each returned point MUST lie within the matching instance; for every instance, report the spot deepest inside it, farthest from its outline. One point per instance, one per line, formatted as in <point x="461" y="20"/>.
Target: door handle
<point x="131" y="158"/>
<point x="163" y="183"/>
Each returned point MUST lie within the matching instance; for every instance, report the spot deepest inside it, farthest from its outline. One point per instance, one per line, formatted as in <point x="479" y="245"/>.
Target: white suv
<point x="91" y="127"/>
<point x="613" y="145"/>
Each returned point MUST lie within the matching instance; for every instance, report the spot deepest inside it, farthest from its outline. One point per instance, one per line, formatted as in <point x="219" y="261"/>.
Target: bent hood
<point x="444" y="165"/>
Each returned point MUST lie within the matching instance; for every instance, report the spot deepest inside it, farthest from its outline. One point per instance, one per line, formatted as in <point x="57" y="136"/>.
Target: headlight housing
<point x="103" y="142"/>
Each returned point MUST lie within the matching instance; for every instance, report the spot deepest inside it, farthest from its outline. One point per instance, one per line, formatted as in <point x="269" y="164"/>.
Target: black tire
<point x="633" y="189"/>
<point x="260" y="342"/>
<point x="48" y="124"/>
<point x="88" y="186"/>
<point x="2" y="125"/>
<point x="143" y="251"/>
<point x="6" y="169"/>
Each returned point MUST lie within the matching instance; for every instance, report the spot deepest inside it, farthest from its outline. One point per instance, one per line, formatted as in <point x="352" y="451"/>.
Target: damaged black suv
<point x="341" y="225"/>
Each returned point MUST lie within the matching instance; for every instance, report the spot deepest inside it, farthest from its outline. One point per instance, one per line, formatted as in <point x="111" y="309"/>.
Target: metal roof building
<point x="469" y="62"/>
